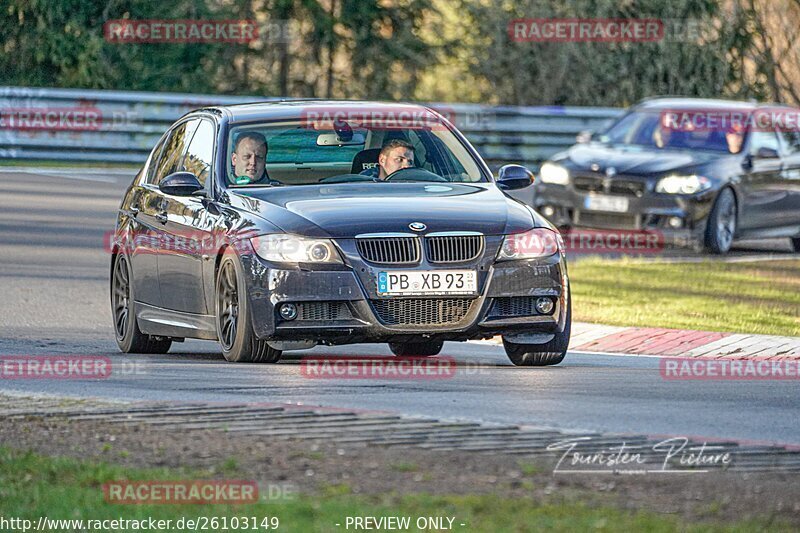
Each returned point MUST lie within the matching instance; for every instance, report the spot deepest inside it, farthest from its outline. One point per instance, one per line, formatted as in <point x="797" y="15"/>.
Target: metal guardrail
<point x="127" y="124"/>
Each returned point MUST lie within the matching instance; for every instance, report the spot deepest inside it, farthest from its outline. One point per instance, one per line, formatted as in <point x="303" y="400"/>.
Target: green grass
<point x="759" y="298"/>
<point x="60" y="488"/>
<point x="405" y="467"/>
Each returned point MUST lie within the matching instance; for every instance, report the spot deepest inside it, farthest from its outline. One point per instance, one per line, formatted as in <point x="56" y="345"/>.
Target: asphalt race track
<point x="54" y="300"/>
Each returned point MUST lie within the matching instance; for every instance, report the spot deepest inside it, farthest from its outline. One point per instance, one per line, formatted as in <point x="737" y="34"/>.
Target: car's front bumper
<point x="342" y="306"/>
<point x="679" y="219"/>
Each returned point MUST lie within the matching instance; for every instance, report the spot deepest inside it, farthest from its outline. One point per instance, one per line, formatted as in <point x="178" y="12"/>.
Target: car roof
<point x="701" y="104"/>
<point x="294" y="109"/>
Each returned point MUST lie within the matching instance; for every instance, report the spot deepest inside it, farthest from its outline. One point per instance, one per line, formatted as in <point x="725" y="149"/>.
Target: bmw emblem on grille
<point x="417" y="226"/>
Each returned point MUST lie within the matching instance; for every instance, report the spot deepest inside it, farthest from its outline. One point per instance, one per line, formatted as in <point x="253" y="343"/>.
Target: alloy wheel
<point x="121" y="296"/>
<point x="227" y="305"/>
<point x="726" y="222"/>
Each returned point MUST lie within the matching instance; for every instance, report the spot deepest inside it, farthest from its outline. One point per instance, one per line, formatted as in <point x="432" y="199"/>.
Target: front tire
<point x="416" y="349"/>
<point x="721" y="226"/>
<point x="549" y="353"/>
<point x="129" y="337"/>
<point x="234" y="325"/>
<point x="796" y="244"/>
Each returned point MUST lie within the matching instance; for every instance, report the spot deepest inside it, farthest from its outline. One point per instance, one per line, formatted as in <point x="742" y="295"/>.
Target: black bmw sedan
<point x="279" y="226"/>
<point x="700" y="172"/>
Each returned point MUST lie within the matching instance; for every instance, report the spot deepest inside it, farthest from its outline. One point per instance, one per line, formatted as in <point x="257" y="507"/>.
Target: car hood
<point x="636" y="160"/>
<point x="349" y="209"/>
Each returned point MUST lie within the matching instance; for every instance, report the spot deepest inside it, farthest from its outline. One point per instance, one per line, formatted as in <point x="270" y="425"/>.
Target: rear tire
<point x="129" y="337"/>
<point x="796" y="244"/>
<point x="416" y="349"/>
<point x="234" y="325"/>
<point x="721" y="226"/>
<point x="549" y="353"/>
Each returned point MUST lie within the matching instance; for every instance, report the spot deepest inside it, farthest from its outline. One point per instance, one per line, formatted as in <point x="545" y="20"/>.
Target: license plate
<point x="427" y="282"/>
<point x="613" y="204"/>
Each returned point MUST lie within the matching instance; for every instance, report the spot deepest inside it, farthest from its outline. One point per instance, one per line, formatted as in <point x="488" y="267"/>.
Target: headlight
<point x="683" y="184"/>
<point x="552" y="173"/>
<point x="539" y="242"/>
<point x="294" y="249"/>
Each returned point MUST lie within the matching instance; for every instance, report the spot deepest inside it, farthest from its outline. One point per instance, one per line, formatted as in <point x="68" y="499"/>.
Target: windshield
<point x="646" y="128"/>
<point x="300" y="153"/>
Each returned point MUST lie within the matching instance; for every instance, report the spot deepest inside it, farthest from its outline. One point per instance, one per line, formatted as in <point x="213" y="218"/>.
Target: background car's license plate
<point x="606" y="203"/>
<point x="427" y="282"/>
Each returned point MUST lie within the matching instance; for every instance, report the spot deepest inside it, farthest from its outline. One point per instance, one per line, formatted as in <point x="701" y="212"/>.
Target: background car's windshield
<point x="299" y="154"/>
<point x="646" y="129"/>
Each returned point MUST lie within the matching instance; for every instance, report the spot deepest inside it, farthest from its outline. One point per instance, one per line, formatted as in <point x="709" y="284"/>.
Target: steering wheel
<point x="413" y="174"/>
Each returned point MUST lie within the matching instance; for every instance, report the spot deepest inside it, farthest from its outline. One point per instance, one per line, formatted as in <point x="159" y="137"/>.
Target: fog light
<point x="548" y="211"/>
<point x="288" y="311"/>
<point x="544" y="306"/>
<point x="675" y="222"/>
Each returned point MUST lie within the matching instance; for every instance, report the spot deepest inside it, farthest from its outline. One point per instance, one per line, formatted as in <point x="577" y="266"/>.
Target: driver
<point x="735" y="138"/>
<point x="395" y="155"/>
<point x="249" y="159"/>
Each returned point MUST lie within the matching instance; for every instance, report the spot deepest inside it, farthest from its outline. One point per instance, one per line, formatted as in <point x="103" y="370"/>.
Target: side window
<point x="154" y="159"/>
<point x="763" y="139"/>
<point x="791" y="139"/>
<point x="174" y="149"/>
<point x="200" y="152"/>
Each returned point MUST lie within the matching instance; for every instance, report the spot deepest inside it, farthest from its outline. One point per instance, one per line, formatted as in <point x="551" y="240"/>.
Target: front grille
<point x="514" y="306"/>
<point x="422" y="311"/>
<point x="605" y="220"/>
<point x="389" y="250"/>
<point x="323" y="311"/>
<point x="588" y="183"/>
<point x="453" y="248"/>
<point x="626" y="187"/>
<point x="616" y="185"/>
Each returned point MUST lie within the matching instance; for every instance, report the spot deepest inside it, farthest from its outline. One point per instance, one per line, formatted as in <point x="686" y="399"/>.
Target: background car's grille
<point x="389" y="250"/>
<point x="624" y="187"/>
<point x="453" y="248"/>
<point x="323" y="311"/>
<point x="605" y="220"/>
<point x="514" y="306"/>
<point x="588" y="183"/>
<point x="422" y="311"/>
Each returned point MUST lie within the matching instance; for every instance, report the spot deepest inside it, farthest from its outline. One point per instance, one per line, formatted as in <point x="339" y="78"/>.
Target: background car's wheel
<point x="234" y="326"/>
<point x="721" y="227"/>
<point x="419" y="349"/>
<point x="550" y="353"/>
<point x="123" y="306"/>
<point x="796" y="244"/>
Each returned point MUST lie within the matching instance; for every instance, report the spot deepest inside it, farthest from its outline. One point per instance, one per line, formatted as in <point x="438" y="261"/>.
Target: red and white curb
<point x="662" y="342"/>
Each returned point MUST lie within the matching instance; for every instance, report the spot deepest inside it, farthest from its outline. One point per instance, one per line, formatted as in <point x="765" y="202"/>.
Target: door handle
<point x="161" y="217"/>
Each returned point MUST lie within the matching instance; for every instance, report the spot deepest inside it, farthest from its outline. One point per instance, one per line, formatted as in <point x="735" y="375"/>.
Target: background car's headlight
<point x="539" y="242"/>
<point x="552" y="173"/>
<point x="683" y="184"/>
<point x="294" y="249"/>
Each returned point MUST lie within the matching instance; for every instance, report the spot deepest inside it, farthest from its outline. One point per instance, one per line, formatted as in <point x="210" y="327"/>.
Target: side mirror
<point x="583" y="137"/>
<point x="513" y="177"/>
<point x="180" y="184"/>
<point x="767" y="153"/>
